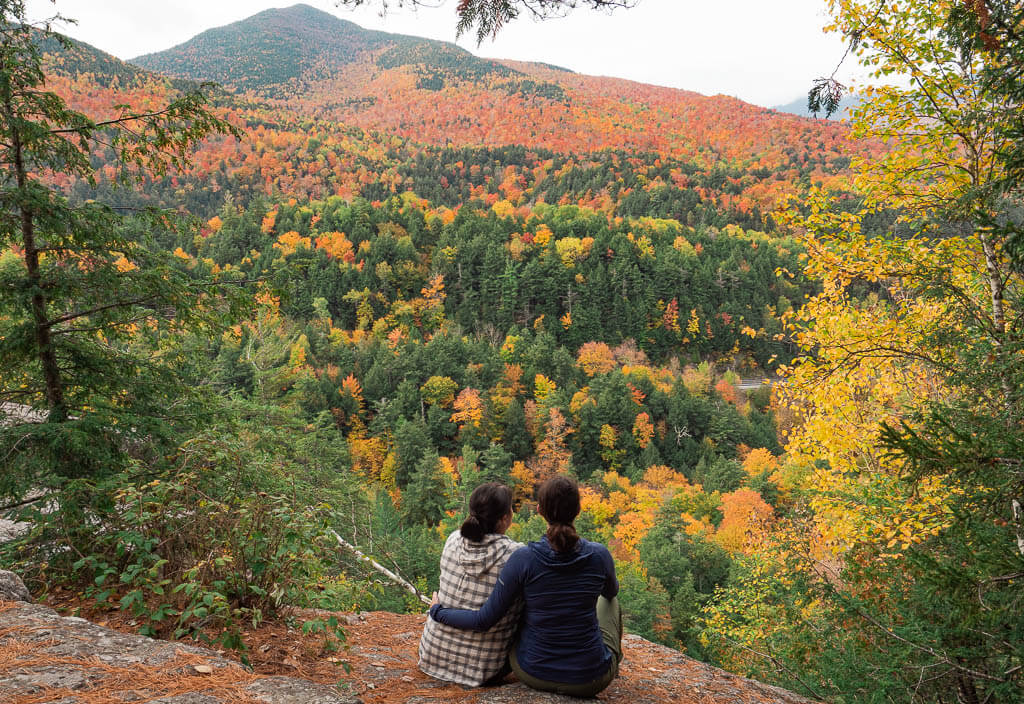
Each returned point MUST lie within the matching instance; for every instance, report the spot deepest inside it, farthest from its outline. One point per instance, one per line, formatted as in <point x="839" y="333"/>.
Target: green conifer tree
<point x="88" y="307"/>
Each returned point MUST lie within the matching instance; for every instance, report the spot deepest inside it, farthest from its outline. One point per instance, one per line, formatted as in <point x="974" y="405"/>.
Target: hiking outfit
<point x="469" y="571"/>
<point x="571" y="630"/>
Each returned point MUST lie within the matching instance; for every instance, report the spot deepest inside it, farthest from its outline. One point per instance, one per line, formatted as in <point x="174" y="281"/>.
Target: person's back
<point x="560" y="638"/>
<point x="469" y="571"/>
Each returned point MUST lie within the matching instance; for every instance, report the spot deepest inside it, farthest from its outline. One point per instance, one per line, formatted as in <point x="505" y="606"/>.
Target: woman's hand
<point x="434" y="599"/>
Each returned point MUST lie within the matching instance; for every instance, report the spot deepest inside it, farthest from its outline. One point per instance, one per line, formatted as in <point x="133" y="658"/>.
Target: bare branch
<point x="380" y="568"/>
<point x="98" y="309"/>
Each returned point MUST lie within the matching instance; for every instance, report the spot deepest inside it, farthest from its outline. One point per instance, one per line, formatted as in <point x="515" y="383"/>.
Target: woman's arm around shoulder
<point x="503" y="596"/>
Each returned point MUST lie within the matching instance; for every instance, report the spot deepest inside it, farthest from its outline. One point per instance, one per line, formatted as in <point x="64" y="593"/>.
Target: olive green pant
<point x="609" y="618"/>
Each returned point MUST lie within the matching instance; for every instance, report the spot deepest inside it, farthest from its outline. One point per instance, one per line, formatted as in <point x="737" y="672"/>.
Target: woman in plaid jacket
<point x="470" y="562"/>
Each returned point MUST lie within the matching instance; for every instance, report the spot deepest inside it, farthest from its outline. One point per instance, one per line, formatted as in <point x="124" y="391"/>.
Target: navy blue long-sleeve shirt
<point x="559" y="639"/>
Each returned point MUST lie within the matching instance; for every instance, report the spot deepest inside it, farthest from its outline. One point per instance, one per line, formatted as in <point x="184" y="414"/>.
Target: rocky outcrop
<point x="9" y="530"/>
<point x="382" y="656"/>
<point x="12" y="588"/>
<point x="45" y="657"/>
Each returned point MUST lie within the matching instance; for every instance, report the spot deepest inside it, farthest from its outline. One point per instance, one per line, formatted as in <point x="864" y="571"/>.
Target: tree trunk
<point x="995" y="285"/>
<point x="54" y="385"/>
<point x="997" y="291"/>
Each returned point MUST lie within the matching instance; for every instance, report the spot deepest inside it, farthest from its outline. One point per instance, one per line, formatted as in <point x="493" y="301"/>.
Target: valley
<point x="293" y="276"/>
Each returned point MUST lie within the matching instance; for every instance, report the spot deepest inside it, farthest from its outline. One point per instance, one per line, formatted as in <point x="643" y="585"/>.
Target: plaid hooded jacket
<point x="469" y="571"/>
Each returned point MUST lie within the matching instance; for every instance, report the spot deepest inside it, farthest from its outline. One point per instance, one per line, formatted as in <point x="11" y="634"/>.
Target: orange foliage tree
<point x="744" y="516"/>
<point x="595" y="358"/>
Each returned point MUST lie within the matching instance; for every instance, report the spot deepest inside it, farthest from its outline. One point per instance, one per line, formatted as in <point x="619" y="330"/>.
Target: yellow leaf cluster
<point x="291" y="241"/>
<point x="542" y="387"/>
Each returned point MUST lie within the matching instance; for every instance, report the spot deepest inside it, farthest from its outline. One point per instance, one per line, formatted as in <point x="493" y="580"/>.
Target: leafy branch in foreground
<point x="489" y="16"/>
<point x="230" y="526"/>
<point x="896" y="579"/>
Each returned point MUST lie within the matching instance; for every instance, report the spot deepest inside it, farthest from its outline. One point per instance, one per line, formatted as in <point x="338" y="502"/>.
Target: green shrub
<point x="222" y="535"/>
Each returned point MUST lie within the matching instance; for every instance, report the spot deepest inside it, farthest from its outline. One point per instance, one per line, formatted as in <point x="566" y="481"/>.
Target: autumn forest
<point x="294" y="278"/>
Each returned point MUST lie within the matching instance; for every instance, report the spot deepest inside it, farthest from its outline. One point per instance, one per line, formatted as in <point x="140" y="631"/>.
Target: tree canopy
<point x="908" y="389"/>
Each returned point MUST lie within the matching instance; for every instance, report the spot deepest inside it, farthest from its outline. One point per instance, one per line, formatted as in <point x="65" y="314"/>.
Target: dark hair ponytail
<point x="488" y="504"/>
<point x="558" y="501"/>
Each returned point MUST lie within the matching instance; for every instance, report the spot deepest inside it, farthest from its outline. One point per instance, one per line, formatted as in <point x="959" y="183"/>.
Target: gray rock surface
<point x="383" y="655"/>
<point x="12" y="588"/>
<point x="9" y="530"/>
<point x="49" y="654"/>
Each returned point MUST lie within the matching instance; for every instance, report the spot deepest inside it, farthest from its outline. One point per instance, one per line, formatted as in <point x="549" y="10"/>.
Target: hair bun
<point x="562" y="536"/>
<point x="472" y="529"/>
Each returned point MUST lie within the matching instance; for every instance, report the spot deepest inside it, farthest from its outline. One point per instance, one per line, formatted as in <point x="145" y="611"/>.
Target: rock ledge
<point x="45" y="657"/>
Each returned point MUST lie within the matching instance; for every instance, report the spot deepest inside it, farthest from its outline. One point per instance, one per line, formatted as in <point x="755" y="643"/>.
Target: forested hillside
<point x="440" y="313"/>
<point x="559" y="137"/>
<point x="271" y="50"/>
<point x="369" y="272"/>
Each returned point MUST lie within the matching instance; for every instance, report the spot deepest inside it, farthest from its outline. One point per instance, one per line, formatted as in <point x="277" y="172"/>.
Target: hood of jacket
<point x="477" y="558"/>
<point x="568" y="561"/>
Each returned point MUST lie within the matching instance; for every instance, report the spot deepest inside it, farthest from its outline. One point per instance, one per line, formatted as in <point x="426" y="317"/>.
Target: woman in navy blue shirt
<point x="571" y="629"/>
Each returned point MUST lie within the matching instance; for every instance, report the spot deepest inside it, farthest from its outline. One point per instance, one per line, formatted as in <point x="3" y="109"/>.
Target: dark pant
<point x="609" y="618"/>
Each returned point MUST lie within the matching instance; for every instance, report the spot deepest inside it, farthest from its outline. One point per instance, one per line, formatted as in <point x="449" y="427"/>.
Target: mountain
<point x="332" y="109"/>
<point x="277" y="47"/>
<point x="303" y="61"/>
<point x="329" y="108"/>
<point x="67" y="57"/>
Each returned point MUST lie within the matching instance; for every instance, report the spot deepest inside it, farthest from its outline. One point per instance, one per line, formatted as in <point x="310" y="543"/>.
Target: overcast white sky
<point x="766" y="52"/>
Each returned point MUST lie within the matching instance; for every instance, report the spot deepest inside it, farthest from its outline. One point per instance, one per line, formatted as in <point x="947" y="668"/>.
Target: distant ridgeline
<point x="704" y="276"/>
<point x="332" y="109"/>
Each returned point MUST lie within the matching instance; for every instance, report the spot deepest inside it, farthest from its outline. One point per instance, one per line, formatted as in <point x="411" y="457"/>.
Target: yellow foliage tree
<point x="542" y="387"/>
<point x="552" y="453"/>
<point x="643" y="430"/>
<point x="292" y="241"/>
<point x="595" y="358"/>
<point x="439" y="391"/>
<point x="941" y="295"/>
<point x="760" y="461"/>
<point x="469" y="408"/>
